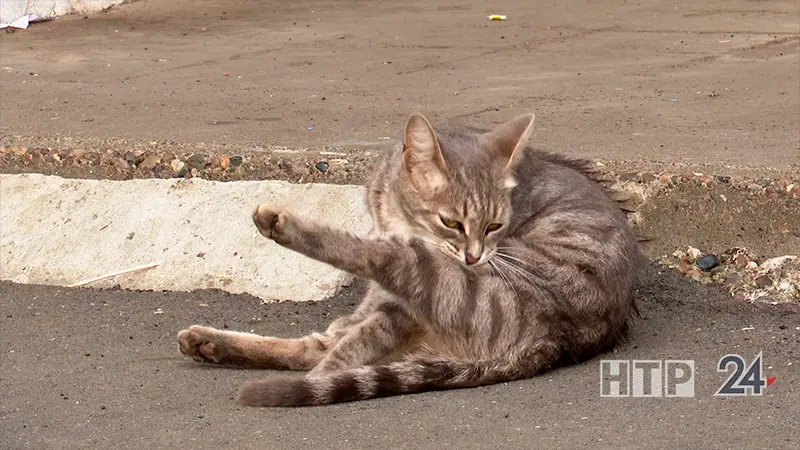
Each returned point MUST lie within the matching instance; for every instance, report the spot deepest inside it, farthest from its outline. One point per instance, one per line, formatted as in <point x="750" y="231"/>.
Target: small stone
<point x="777" y="262"/>
<point x="196" y="161"/>
<point x="664" y="178"/>
<point x="723" y="178"/>
<point x="322" y="166"/>
<point x="337" y="162"/>
<point x="740" y="297"/>
<point x="732" y="278"/>
<point x="755" y="188"/>
<point x="763" y="281"/>
<point x="78" y="153"/>
<point x="630" y="176"/>
<point x="694" y="253"/>
<point x="236" y="160"/>
<point x="121" y="164"/>
<point x="764" y="182"/>
<point x="694" y="274"/>
<point x="648" y="177"/>
<point x="150" y="161"/>
<point x="130" y="158"/>
<point x="56" y="158"/>
<point x="741" y="261"/>
<point x="707" y="262"/>
<point x="168" y="157"/>
<point x="177" y="165"/>
<point x="224" y="162"/>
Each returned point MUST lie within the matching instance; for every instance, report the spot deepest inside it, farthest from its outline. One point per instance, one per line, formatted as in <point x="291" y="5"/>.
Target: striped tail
<point x="405" y="377"/>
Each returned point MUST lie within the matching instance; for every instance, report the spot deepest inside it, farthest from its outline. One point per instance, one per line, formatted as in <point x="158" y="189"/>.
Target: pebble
<point x="755" y="188"/>
<point x="337" y="162"/>
<point x="197" y="161"/>
<point x="150" y="161"/>
<point x="130" y="158"/>
<point x="777" y="262"/>
<point x="723" y="178"/>
<point x="648" y="177"/>
<point x="741" y="261"/>
<point x="763" y="281"/>
<point x="322" y="166"/>
<point x="224" y="162"/>
<point x="764" y="182"/>
<point x="630" y="176"/>
<point x="177" y="165"/>
<point x="694" y="253"/>
<point x="236" y="160"/>
<point x="708" y="262"/>
<point x="121" y="164"/>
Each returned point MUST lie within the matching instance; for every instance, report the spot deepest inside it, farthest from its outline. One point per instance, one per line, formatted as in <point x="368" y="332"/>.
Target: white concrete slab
<point x="47" y="9"/>
<point x="60" y="231"/>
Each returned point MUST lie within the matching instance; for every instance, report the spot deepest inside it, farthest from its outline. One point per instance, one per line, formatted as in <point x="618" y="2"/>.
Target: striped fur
<point x="489" y="262"/>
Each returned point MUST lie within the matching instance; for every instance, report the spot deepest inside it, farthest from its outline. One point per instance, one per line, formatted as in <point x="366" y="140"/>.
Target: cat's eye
<point x="493" y="227"/>
<point x="449" y="223"/>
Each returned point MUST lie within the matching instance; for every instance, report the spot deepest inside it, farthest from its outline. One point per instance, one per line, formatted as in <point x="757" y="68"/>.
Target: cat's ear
<point x="422" y="156"/>
<point x="507" y="141"/>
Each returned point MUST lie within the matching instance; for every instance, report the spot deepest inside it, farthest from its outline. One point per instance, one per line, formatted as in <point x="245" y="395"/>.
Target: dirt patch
<point x="762" y="215"/>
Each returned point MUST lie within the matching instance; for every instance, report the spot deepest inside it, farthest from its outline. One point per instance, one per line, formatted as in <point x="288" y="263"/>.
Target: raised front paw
<point x="200" y="343"/>
<point x="274" y="223"/>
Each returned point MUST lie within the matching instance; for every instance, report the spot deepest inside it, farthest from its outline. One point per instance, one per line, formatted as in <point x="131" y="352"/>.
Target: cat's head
<point x="455" y="186"/>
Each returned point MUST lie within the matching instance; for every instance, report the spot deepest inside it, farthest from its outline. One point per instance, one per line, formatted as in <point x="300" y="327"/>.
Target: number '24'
<point x="745" y="380"/>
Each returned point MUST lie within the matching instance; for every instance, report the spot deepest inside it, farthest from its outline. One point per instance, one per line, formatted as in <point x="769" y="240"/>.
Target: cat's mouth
<point x="469" y="261"/>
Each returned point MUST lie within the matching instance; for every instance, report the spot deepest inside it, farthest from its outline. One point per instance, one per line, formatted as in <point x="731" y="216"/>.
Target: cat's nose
<point x="470" y="259"/>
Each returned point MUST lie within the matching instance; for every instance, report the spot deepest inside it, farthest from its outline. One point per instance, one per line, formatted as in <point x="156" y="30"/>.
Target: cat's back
<point x="554" y="184"/>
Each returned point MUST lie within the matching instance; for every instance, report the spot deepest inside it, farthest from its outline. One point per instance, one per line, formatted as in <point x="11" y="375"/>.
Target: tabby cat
<point x="489" y="261"/>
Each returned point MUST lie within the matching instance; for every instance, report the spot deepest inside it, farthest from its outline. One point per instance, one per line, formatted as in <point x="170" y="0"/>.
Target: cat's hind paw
<point x="198" y="343"/>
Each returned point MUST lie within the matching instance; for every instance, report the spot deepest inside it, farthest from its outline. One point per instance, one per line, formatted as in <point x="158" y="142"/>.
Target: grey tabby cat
<point x="489" y="262"/>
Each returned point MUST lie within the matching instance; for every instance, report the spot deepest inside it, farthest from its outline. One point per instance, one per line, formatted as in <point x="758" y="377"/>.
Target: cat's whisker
<point x="506" y="280"/>
<point x="506" y="255"/>
<point x="524" y="274"/>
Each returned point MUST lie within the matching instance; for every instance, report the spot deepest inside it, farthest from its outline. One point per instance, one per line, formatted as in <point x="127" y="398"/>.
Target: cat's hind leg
<point x="207" y="344"/>
<point x="389" y="329"/>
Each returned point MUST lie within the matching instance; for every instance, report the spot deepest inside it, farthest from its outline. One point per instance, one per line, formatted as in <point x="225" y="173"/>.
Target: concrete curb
<point x="60" y="231"/>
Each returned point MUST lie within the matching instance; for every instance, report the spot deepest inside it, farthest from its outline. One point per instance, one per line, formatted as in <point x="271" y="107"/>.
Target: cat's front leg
<point x="365" y="258"/>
